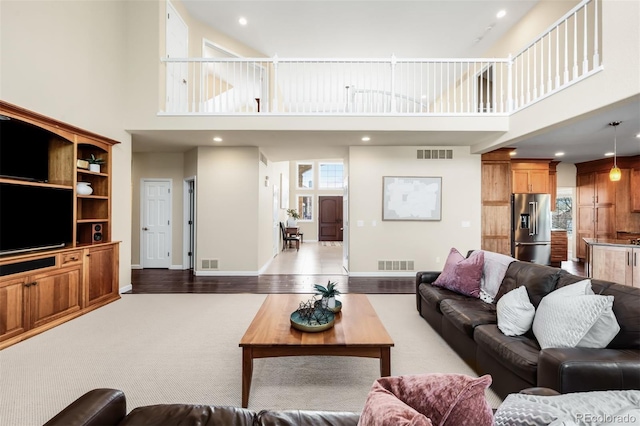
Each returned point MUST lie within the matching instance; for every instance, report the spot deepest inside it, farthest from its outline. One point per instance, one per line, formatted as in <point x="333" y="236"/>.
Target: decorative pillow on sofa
<point x="493" y="271"/>
<point x="572" y="316"/>
<point x="443" y="399"/>
<point x="462" y="275"/>
<point x="515" y="312"/>
<point x="578" y="408"/>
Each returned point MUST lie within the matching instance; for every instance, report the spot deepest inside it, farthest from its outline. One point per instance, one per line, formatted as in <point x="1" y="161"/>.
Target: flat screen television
<point x="34" y="218"/>
<point x="24" y="150"/>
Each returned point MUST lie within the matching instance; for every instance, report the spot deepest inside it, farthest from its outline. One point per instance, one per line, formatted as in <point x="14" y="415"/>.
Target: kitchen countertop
<point x="609" y="242"/>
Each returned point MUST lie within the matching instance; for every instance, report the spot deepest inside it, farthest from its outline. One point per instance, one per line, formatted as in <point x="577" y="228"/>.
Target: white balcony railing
<point x="563" y="55"/>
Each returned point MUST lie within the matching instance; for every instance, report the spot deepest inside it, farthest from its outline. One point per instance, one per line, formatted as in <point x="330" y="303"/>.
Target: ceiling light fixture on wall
<point x="501" y="14"/>
<point x="242" y="21"/>
<point x="615" y="174"/>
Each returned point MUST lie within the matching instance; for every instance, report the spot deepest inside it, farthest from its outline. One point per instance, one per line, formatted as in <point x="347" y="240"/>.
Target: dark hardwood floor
<point x="175" y="281"/>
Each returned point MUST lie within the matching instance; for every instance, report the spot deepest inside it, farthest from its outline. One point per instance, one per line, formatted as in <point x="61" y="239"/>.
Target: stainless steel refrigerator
<point x="531" y="228"/>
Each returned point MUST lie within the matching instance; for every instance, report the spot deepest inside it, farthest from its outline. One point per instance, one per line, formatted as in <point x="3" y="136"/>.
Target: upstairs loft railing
<point x="566" y="53"/>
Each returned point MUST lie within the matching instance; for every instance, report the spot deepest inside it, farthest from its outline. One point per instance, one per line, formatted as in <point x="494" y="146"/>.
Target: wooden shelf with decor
<point x="57" y="260"/>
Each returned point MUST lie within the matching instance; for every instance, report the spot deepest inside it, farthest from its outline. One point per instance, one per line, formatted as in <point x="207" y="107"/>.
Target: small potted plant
<point x="293" y="217"/>
<point x="94" y="163"/>
<point x="328" y="294"/>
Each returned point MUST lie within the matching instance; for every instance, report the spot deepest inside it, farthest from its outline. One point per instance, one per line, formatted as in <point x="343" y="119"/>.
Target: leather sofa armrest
<point x="424" y="277"/>
<point x="539" y="391"/>
<point x="98" y="407"/>
<point x="585" y="369"/>
<point x="306" y="418"/>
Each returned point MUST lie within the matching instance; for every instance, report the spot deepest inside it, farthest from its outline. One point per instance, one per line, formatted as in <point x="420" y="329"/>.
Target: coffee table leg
<point x="247" y="373"/>
<point x="385" y="362"/>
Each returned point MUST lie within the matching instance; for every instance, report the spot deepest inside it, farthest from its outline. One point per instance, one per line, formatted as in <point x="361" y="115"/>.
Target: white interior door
<point x="345" y="225"/>
<point x="177" y="73"/>
<point x="156" y="224"/>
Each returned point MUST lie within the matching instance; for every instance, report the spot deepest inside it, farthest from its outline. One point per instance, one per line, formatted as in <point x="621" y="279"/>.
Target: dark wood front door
<point x="330" y="220"/>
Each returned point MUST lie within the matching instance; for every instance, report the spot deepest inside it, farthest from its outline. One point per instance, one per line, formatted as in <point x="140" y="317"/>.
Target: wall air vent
<point x="395" y="265"/>
<point x="209" y="264"/>
<point x="434" y="154"/>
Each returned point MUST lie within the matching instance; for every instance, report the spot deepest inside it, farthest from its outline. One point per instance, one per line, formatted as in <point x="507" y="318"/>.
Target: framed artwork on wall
<point x="284" y="191"/>
<point x="411" y="198"/>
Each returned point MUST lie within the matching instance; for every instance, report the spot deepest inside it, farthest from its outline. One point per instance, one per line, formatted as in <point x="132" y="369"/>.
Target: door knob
<point x="145" y="229"/>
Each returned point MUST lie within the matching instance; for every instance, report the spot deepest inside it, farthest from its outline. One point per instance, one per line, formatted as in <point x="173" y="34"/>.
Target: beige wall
<point x="424" y="242"/>
<point x="227" y="212"/>
<point x="566" y="175"/>
<point x="158" y="166"/>
<point x="66" y="60"/>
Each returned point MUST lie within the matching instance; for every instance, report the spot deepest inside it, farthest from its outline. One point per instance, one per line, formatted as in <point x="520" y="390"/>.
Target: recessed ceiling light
<point x="512" y="153"/>
<point x="559" y="154"/>
<point x="638" y="135"/>
<point x="217" y="139"/>
<point x="242" y="21"/>
<point x="501" y="14"/>
<point x="366" y="139"/>
<point x="608" y="154"/>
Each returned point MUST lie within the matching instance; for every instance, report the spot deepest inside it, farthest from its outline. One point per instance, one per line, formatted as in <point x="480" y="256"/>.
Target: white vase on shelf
<point x="84" y="188"/>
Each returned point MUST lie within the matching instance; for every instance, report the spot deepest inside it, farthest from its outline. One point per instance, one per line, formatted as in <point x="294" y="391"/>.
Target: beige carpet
<point x="184" y="348"/>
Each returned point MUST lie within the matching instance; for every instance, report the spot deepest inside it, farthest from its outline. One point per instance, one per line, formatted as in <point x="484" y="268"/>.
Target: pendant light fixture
<point x="615" y="174"/>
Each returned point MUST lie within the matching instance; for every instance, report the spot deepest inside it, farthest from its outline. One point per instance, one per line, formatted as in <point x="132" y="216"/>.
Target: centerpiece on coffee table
<point x="329" y="294"/>
<point x="312" y="317"/>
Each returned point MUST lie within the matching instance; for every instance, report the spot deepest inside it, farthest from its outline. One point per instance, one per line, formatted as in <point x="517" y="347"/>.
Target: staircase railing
<point x="564" y="54"/>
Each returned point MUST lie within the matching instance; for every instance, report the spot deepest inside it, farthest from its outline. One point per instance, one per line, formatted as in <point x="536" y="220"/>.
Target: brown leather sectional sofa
<point x="108" y="407"/>
<point x="469" y="326"/>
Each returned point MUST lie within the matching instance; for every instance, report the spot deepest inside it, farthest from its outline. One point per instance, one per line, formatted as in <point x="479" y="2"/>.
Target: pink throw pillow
<point x="428" y="399"/>
<point x="462" y="275"/>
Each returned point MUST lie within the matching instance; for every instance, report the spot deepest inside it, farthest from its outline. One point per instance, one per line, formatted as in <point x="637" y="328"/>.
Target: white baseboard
<point x="126" y="288"/>
<point x="136" y="266"/>
<point x="226" y="273"/>
<point x="384" y="274"/>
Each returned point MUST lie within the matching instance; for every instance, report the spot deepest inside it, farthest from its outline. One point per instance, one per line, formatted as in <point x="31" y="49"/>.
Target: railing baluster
<point x="596" y="35"/>
<point x="575" y="45"/>
<point x="585" y="59"/>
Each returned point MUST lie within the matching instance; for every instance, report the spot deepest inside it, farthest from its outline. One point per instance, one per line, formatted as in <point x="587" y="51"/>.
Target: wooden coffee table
<point x="357" y="332"/>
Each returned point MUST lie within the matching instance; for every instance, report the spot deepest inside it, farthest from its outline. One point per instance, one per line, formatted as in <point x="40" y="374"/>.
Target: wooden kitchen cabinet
<point x="559" y="247"/>
<point x="496" y="201"/>
<point x="635" y="190"/>
<point x="618" y="264"/>
<point x="596" y="208"/>
<point x="530" y="177"/>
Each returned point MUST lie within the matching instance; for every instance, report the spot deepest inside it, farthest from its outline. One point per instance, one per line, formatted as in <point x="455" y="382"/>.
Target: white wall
<point x="422" y="242"/>
<point x="66" y="60"/>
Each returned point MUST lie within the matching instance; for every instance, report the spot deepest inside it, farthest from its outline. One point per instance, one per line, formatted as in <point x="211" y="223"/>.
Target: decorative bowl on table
<point x="323" y="322"/>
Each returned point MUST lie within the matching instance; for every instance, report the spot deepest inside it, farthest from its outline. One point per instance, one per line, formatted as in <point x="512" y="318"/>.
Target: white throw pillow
<point x="573" y="316"/>
<point x="493" y="271"/>
<point x="515" y="312"/>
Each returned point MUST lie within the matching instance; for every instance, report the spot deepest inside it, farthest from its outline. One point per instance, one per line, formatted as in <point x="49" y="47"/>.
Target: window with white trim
<point x="305" y="175"/>
<point x="331" y="176"/>
<point x="305" y="207"/>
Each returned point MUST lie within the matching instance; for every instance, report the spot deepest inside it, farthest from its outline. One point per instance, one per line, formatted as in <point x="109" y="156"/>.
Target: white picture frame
<point x="411" y="198"/>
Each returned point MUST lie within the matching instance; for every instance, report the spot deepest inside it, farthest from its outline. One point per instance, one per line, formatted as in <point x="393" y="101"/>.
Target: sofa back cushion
<point x="539" y="280"/>
<point x="626" y="308"/>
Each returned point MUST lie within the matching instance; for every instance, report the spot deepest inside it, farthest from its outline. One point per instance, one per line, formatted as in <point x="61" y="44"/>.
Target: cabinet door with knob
<point x="12" y="308"/>
<point x="101" y="269"/>
<point x="54" y="295"/>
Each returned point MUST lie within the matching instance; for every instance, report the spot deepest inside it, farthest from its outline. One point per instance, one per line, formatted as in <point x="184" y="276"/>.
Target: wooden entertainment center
<point x="43" y="287"/>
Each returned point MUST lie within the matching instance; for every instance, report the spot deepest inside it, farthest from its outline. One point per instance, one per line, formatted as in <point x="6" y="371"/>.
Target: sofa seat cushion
<point x="519" y="354"/>
<point x="187" y="414"/>
<point x="539" y="280"/>
<point x="466" y="315"/>
<point x="306" y="418"/>
<point x="433" y="295"/>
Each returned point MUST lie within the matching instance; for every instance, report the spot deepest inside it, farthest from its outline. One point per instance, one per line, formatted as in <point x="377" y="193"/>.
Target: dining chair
<point x="287" y="239"/>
